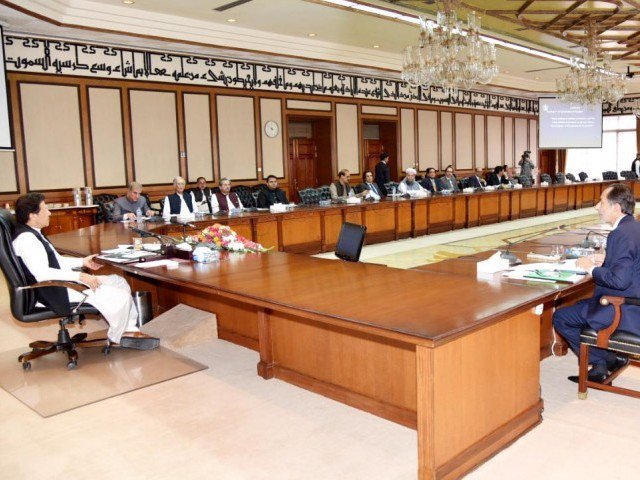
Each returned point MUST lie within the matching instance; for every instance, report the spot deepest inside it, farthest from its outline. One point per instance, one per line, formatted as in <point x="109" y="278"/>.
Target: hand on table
<point x="87" y="262"/>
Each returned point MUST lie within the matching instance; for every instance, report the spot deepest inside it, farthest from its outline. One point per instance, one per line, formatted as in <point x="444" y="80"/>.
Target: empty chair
<point x="246" y="197"/>
<point x="325" y="192"/>
<point x="309" y="196"/>
<point x="390" y="186"/>
<point x="464" y="183"/>
<point x="545" y="177"/>
<point x="571" y="177"/>
<point x="106" y="211"/>
<point x="350" y="241"/>
<point x="24" y="308"/>
<point x="628" y="175"/>
<point x="560" y="178"/>
<point x="100" y="200"/>
<point x="609" y="175"/>
<point x="583" y="176"/>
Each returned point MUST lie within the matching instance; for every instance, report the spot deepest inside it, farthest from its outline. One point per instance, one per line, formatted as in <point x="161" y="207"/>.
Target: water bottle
<point x="88" y="196"/>
<point x="77" y="199"/>
<point x="393" y="191"/>
<point x="139" y="215"/>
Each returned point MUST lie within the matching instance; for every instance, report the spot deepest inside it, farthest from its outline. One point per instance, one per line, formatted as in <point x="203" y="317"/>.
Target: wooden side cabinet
<point x="66" y="219"/>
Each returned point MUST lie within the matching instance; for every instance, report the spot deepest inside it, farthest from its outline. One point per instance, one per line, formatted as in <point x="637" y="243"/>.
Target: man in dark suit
<point x="635" y="165"/>
<point x="449" y="180"/>
<point x="272" y="194"/>
<point x="202" y="195"/>
<point x="369" y="186"/>
<point x="430" y="182"/>
<point x="497" y="176"/>
<point x="383" y="173"/>
<point x="476" y="181"/>
<point x="617" y="273"/>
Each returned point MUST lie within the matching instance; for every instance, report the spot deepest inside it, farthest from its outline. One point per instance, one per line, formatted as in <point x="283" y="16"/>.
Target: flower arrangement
<point x="223" y="237"/>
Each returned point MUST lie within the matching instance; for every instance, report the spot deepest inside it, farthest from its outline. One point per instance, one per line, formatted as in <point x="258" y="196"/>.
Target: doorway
<point x="380" y="136"/>
<point x="309" y="153"/>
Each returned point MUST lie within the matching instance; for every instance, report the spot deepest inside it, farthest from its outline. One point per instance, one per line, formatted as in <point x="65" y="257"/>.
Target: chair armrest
<point x="77" y="286"/>
<point x="617" y="302"/>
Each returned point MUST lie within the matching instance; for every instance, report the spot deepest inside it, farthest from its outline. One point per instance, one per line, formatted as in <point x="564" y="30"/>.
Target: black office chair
<point x="610" y="339"/>
<point x="154" y="206"/>
<point x="246" y="197"/>
<point x="100" y="200"/>
<point x="571" y="177"/>
<point x="350" y="241"/>
<point x="560" y="178"/>
<point x="309" y="196"/>
<point x="609" y="175"/>
<point x="389" y="187"/>
<point x="628" y="175"/>
<point x="545" y="177"/>
<point x="324" y="191"/>
<point x="107" y="211"/>
<point x="23" y="304"/>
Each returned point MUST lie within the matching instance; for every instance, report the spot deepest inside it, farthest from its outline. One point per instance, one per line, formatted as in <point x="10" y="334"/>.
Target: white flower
<point x="235" y="246"/>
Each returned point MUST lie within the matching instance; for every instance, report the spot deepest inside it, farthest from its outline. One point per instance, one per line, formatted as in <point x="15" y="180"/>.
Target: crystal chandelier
<point x="447" y="56"/>
<point x="635" y="109"/>
<point x="590" y="83"/>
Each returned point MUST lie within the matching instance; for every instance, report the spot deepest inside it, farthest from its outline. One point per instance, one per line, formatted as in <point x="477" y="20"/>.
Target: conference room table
<point x="313" y="229"/>
<point x="451" y="355"/>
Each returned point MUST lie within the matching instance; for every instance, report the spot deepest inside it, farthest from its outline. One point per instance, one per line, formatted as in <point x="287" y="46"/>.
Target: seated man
<point x="617" y="273"/>
<point x="202" y="195"/>
<point x="409" y="183"/>
<point x="497" y="177"/>
<point x="476" y="181"/>
<point x="178" y="203"/>
<point x="341" y="189"/>
<point x="132" y="204"/>
<point x="110" y="294"/>
<point x="273" y="195"/>
<point x="369" y="189"/>
<point x="225" y="199"/>
<point x="449" y="180"/>
<point x="430" y="182"/>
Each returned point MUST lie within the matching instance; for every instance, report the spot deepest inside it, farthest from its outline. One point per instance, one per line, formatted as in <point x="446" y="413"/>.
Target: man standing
<point x="449" y="180"/>
<point x="409" y="183"/>
<point x="526" y="165"/>
<point x="383" y="173"/>
<point x="225" y="199"/>
<point x="369" y="188"/>
<point x="617" y="273"/>
<point x="431" y="183"/>
<point x="635" y="165"/>
<point x="128" y="207"/>
<point x="202" y="195"/>
<point x="179" y="203"/>
<point x="272" y="195"/>
<point x="40" y="261"/>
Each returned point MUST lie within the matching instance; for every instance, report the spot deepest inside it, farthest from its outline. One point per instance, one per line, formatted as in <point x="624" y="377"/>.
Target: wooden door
<point x="372" y="150"/>
<point x="303" y="155"/>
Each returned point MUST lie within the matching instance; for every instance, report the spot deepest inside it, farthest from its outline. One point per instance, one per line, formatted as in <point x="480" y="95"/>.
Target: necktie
<point x="435" y="186"/>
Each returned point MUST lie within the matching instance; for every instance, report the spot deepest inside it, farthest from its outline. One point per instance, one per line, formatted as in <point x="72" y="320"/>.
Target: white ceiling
<point x="265" y="30"/>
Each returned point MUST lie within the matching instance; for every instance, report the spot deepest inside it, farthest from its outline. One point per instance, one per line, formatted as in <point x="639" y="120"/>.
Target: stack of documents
<point x="566" y="272"/>
<point x="124" y="254"/>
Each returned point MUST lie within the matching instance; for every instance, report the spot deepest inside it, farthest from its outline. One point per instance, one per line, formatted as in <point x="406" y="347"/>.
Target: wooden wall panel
<point x="494" y="141"/>
<point x="375" y="110"/>
<point x="464" y="142"/>
<point x="272" y="149"/>
<point x="236" y="137"/>
<point x="520" y="137"/>
<point x="347" y="137"/>
<point x="197" y="125"/>
<point x="480" y="145"/>
<point x="508" y="141"/>
<point x="408" y="138"/>
<point x="446" y="139"/>
<point x="154" y="129"/>
<point x="306" y="105"/>
<point x="8" y="169"/>
<point x="53" y="136"/>
<point x="107" y="137"/>
<point x="427" y="139"/>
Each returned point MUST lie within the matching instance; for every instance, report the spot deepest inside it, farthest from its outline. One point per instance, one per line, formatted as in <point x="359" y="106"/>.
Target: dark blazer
<point x="619" y="275"/>
<point x="474" y="182"/>
<point x="454" y="183"/>
<point x="494" y="179"/>
<point x="197" y="194"/>
<point x="426" y="183"/>
<point x="633" y="164"/>
<point x="383" y="175"/>
<point x="365" y="186"/>
<point x="265" y="200"/>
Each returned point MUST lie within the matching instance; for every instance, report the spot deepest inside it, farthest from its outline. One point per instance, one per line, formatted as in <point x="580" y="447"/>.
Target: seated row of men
<point x="201" y="198"/>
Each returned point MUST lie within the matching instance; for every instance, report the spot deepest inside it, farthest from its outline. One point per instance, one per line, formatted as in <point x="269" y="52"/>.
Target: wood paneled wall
<point x="74" y="131"/>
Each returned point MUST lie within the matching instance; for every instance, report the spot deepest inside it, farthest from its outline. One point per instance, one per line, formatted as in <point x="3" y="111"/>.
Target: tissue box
<point x="468" y="190"/>
<point x="278" y="208"/>
<point x="354" y="200"/>
<point x="517" y="186"/>
<point x="544" y="184"/>
<point x="493" y="264"/>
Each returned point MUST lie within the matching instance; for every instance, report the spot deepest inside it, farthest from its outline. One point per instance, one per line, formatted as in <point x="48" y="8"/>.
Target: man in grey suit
<point x="449" y="180"/>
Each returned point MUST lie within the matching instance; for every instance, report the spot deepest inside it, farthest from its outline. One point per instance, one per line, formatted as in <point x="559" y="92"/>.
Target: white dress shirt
<point x="30" y="250"/>
<point x="184" y="209"/>
<point x="404" y="187"/>
<point x="373" y="191"/>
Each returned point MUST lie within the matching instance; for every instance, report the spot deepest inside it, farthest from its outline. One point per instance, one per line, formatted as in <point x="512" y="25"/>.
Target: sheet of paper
<point x="158" y="263"/>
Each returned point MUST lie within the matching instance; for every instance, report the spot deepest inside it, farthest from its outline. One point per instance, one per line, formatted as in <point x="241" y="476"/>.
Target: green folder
<point x="554" y="275"/>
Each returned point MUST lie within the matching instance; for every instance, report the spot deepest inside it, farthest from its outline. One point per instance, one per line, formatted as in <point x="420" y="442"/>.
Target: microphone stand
<point x="513" y="259"/>
<point x="586" y="243"/>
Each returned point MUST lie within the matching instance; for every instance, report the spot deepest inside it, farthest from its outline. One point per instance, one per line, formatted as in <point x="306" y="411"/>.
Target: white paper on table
<point x="495" y="263"/>
<point x="158" y="263"/>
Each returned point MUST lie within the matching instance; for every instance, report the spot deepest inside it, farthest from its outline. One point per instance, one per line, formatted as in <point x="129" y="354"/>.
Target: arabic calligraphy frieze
<point x="58" y="57"/>
<point x="623" y="106"/>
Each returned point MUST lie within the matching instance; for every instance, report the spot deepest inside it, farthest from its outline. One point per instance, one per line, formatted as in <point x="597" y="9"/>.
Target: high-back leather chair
<point x="309" y="196"/>
<point x="389" y="187"/>
<point x="628" y="175"/>
<point x="350" y="241"/>
<point x="609" y="175"/>
<point x="325" y="192"/>
<point x="560" y="178"/>
<point x="571" y="177"/>
<point x="24" y="306"/>
<point x="583" y="176"/>
<point x="246" y="197"/>
<point x="545" y="177"/>
<point x="100" y="200"/>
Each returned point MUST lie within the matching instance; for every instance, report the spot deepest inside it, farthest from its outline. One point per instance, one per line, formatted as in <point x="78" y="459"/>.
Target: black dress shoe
<point x="139" y="341"/>
<point x="596" y="375"/>
<point x="621" y="361"/>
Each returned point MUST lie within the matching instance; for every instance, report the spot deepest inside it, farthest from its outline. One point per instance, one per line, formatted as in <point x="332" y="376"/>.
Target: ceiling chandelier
<point x="590" y="83"/>
<point x="447" y="56"/>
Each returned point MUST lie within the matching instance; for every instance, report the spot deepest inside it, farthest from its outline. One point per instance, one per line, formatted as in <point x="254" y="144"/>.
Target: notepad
<point x="561" y="276"/>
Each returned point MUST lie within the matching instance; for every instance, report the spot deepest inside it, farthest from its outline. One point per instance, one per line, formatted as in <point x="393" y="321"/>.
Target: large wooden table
<point x="455" y="357"/>
<point x="314" y="229"/>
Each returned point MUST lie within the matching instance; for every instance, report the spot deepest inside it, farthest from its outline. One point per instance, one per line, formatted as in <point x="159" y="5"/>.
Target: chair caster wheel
<point x="26" y="366"/>
<point x="106" y="350"/>
<point x="72" y="365"/>
<point x="582" y="395"/>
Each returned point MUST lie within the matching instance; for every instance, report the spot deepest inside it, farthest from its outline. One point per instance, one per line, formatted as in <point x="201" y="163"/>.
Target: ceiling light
<point x="312" y="34"/>
<point x="128" y="2"/>
<point x="231" y="20"/>
<point x="376" y="46"/>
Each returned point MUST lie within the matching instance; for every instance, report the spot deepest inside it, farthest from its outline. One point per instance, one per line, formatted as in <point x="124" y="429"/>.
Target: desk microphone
<point x="513" y="260"/>
<point x="587" y="243"/>
<point x="183" y="224"/>
<point x="164" y="239"/>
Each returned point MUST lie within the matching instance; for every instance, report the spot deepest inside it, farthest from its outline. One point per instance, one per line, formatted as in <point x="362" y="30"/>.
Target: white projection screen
<point x="569" y="125"/>
<point x="5" y="126"/>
